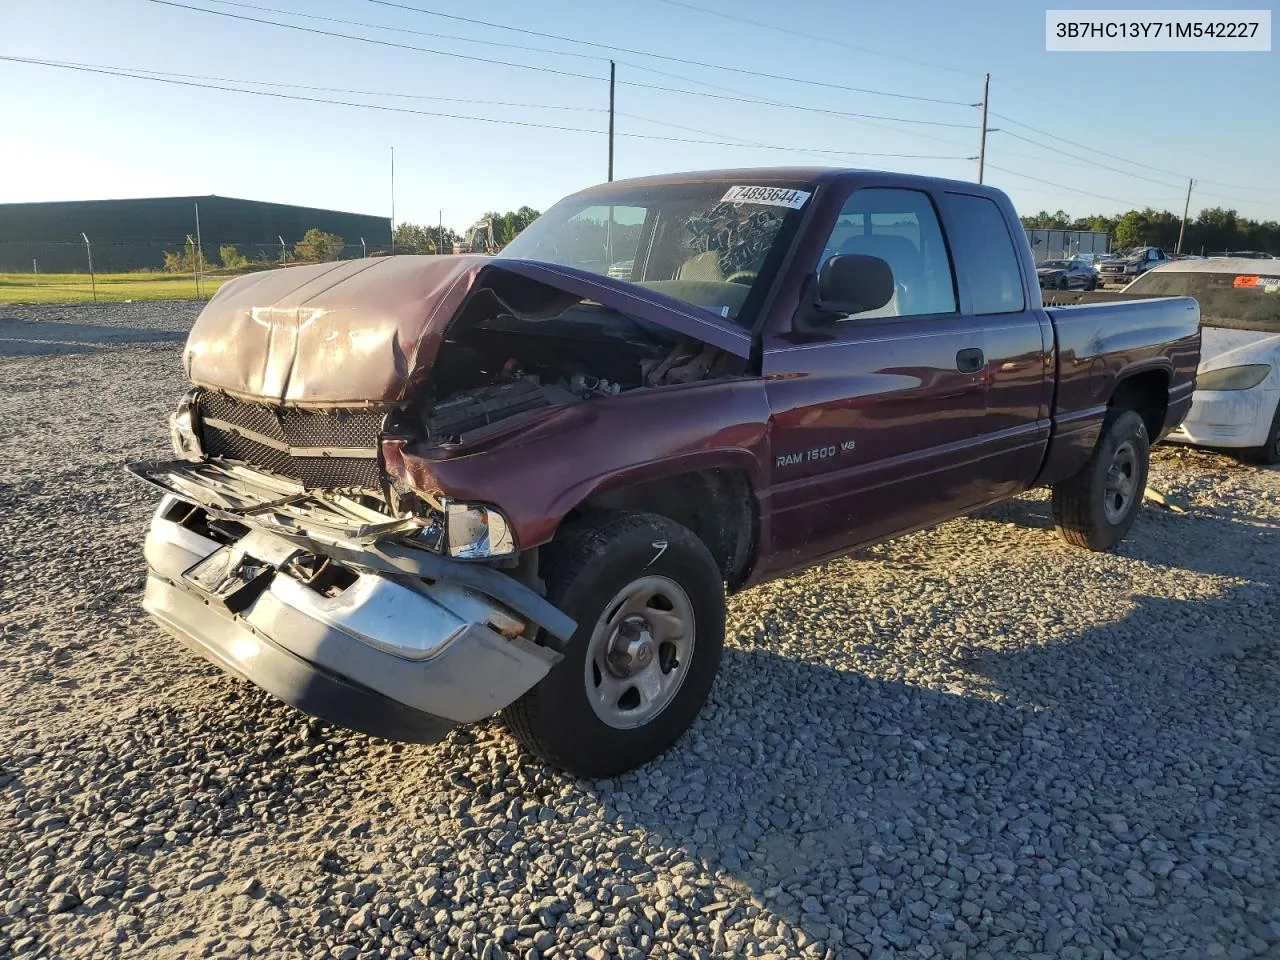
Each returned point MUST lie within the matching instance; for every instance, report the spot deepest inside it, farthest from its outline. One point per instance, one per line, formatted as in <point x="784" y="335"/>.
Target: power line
<point x="1114" y="156"/>
<point x="450" y="116"/>
<point x="752" y="143"/>
<point x="1059" y="186"/>
<point x="125" y="71"/>
<point x="1092" y="163"/>
<point x="658" y="56"/>
<point x="549" y="70"/>
<point x="813" y="36"/>
<point x="1081" y="146"/>
<point x="1076" y="112"/>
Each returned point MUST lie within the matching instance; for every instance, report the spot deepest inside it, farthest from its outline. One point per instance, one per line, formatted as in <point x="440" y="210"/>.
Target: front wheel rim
<point x="1122" y="482"/>
<point x="639" y="652"/>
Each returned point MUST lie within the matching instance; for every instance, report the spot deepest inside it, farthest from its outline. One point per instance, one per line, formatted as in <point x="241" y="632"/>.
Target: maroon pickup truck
<point x="411" y="492"/>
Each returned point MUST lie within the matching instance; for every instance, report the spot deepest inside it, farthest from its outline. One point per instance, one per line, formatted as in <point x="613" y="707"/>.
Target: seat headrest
<point x="899" y="252"/>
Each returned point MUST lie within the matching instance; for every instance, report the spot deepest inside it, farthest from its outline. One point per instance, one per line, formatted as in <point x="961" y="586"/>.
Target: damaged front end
<point x="304" y="540"/>
<point x="332" y="608"/>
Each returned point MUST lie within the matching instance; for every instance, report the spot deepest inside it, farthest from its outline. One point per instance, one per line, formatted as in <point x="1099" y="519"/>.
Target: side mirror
<point x="852" y="283"/>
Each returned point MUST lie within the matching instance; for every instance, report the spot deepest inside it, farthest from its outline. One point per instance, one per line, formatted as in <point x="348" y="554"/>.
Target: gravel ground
<point x="973" y="742"/>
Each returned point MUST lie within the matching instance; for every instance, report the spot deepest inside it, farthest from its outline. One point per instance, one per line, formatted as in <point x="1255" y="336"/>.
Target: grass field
<point x="76" y="287"/>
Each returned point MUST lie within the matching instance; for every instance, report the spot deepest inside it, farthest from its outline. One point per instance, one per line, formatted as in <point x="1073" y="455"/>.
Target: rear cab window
<point x="985" y="253"/>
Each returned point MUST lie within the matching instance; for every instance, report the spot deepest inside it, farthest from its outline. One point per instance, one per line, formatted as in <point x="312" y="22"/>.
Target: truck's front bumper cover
<point x="239" y="649"/>
<point x="387" y="654"/>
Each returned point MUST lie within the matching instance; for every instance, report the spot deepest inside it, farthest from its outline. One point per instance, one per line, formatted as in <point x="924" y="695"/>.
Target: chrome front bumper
<point x="388" y="653"/>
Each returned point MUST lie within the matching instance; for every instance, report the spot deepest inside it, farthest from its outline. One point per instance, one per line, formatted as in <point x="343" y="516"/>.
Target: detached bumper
<point x="389" y="655"/>
<point x="1228" y="418"/>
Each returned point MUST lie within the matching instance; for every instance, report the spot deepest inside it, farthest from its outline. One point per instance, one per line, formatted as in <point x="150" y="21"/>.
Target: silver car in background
<point x="1237" y="398"/>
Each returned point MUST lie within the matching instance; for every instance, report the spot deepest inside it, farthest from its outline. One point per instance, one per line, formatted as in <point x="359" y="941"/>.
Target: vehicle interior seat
<point x="903" y="259"/>
<point x="701" y="266"/>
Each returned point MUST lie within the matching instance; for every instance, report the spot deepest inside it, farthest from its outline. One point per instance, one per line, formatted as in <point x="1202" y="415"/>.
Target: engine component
<point x="471" y="409"/>
<point x="584" y="385"/>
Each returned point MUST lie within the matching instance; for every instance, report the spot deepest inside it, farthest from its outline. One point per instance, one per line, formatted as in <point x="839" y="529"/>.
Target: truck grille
<point x="268" y="438"/>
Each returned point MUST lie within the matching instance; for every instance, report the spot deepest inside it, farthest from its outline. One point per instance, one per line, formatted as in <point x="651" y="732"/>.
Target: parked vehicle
<point x="1131" y="265"/>
<point x="1237" y="398"/>
<point x="415" y="491"/>
<point x="1066" y="274"/>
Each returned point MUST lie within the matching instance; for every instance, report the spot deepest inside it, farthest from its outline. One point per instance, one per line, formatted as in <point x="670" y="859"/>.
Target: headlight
<point x="1234" y="378"/>
<point x="469" y="531"/>
<point x="184" y="429"/>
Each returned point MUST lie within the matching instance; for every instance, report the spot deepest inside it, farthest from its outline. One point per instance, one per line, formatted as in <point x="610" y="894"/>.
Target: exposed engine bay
<point x="424" y="355"/>
<point x="494" y="365"/>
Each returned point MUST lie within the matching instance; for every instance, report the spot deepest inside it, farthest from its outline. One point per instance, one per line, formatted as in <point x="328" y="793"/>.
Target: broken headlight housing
<point x="184" y="429"/>
<point x="468" y="531"/>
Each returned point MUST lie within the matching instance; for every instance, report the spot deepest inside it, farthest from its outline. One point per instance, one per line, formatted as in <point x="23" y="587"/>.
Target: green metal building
<point x="133" y="234"/>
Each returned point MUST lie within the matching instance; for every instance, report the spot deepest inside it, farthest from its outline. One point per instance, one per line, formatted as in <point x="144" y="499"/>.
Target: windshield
<point x="1054" y="264"/>
<point x="1234" y="300"/>
<point x="711" y="245"/>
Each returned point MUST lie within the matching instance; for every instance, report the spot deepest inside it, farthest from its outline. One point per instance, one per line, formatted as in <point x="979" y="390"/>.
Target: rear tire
<point x="649" y="601"/>
<point x="1095" y="508"/>
<point x="1269" y="452"/>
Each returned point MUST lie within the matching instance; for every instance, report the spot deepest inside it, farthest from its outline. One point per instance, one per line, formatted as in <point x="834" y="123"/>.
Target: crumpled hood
<point x="367" y="331"/>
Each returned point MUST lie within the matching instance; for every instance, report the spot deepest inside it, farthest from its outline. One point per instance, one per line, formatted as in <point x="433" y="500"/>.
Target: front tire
<point x="649" y="601"/>
<point x="1095" y="508"/>
<point x="1269" y="452"/>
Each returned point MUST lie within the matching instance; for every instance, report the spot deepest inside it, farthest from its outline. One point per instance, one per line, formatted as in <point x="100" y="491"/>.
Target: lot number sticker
<point x="1265" y="284"/>
<point x="768" y="196"/>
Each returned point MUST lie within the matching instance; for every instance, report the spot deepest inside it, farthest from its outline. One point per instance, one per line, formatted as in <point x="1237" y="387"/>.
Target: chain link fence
<point x="129" y="256"/>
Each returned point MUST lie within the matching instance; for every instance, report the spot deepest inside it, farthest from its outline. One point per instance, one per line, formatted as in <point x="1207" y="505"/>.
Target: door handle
<point x="970" y="360"/>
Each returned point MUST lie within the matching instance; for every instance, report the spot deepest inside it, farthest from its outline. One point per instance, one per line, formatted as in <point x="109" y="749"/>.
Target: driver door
<point x="874" y="417"/>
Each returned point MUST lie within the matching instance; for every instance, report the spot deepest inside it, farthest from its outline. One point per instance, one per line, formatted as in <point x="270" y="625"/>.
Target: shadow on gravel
<point x="1244" y="546"/>
<point x="31" y="337"/>
<point x="868" y="812"/>
<point x="1117" y="788"/>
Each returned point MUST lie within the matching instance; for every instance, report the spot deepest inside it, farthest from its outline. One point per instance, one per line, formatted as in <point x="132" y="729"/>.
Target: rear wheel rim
<point x="639" y="652"/>
<point x="1122" y="481"/>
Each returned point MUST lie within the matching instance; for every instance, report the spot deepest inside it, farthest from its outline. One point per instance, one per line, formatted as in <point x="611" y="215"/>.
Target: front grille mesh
<point x="296" y="428"/>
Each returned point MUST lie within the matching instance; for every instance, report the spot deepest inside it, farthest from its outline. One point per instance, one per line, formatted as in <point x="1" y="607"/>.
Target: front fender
<point x="536" y="477"/>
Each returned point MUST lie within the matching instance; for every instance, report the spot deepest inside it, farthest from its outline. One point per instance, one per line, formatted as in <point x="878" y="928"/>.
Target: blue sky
<point x="73" y="135"/>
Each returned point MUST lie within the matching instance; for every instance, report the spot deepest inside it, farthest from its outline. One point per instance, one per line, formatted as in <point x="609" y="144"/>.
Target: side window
<point x="985" y="253"/>
<point x="901" y="228"/>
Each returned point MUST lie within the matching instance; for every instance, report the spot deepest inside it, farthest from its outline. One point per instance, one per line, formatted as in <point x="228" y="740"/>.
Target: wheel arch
<point x="1146" y="392"/>
<point x="717" y="502"/>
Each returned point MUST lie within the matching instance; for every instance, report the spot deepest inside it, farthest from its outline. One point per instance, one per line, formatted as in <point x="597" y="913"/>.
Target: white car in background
<point x="1237" y="398"/>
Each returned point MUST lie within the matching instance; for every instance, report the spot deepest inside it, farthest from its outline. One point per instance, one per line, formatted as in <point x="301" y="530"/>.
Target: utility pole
<point x="982" y="141"/>
<point x="440" y="233"/>
<point x="92" y="279"/>
<point x="195" y="271"/>
<point x="199" y="250"/>
<point x="613" y="69"/>
<point x="393" y="200"/>
<point x="1186" y="208"/>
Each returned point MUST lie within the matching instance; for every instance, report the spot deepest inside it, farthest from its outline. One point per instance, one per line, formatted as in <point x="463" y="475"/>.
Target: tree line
<point x="1214" y="229"/>
<point x="421" y="238"/>
<point x="317" y="246"/>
